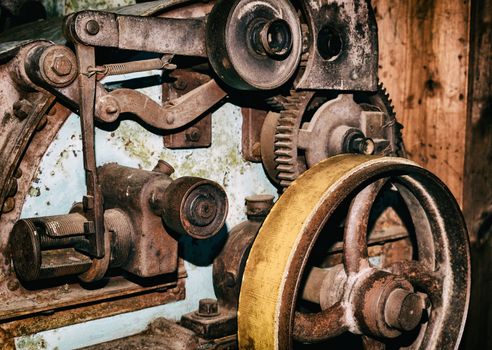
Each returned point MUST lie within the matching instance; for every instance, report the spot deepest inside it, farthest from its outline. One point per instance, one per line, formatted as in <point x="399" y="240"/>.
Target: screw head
<point x="92" y="27"/>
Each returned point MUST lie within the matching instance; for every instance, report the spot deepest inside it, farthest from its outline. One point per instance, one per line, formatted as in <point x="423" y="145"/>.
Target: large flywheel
<point x="416" y="302"/>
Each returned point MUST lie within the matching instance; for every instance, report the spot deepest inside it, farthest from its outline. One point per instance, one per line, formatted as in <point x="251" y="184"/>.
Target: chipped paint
<point x="132" y="145"/>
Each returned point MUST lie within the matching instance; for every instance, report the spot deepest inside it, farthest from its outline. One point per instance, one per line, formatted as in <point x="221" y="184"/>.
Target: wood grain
<point x="424" y="65"/>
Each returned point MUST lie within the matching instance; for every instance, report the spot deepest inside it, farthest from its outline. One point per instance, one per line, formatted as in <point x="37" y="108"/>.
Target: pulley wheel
<point x="416" y="302"/>
<point x="254" y="44"/>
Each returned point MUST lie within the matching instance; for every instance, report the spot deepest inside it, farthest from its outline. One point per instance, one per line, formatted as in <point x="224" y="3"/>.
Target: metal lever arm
<point x="174" y="115"/>
<point x="152" y="34"/>
<point x="93" y="203"/>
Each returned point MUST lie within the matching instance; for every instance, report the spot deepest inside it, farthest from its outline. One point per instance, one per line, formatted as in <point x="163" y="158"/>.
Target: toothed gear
<point x="289" y="164"/>
<point x="289" y="122"/>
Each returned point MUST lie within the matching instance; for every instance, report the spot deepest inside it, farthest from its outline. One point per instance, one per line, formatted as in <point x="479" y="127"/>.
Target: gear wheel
<point x="289" y="161"/>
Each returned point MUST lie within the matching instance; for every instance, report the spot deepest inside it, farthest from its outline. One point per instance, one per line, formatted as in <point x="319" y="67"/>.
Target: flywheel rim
<point x="264" y="321"/>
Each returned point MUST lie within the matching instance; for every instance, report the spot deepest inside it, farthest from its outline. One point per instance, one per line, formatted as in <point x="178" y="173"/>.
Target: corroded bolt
<point x="13" y="285"/>
<point x="193" y="134"/>
<point x="208" y="308"/>
<point x="22" y="108"/>
<point x="62" y="65"/>
<point x="92" y="27"/>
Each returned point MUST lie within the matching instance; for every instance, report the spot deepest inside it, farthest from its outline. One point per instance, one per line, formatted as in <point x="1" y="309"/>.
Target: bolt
<point x="8" y="205"/>
<point x="22" y="108"/>
<point x="193" y="134"/>
<point x="92" y="27"/>
<point x="107" y="108"/>
<point x="13" y="285"/>
<point x="163" y="167"/>
<point x="208" y="308"/>
<point x="61" y="65"/>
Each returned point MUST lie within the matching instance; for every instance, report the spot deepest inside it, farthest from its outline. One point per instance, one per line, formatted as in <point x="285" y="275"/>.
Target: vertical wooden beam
<point x="424" y="65"/>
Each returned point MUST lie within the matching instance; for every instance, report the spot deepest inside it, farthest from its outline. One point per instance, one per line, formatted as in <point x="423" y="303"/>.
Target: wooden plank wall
<point x="435" y="60"/>
<point x="424" y="64"/>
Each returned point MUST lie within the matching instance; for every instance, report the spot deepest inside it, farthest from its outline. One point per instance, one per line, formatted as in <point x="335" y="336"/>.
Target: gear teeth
<point x="284" y="144"/>
<point x="283" y="129"/>
<point x="285" y="183"/>
<point x="285" y="169"/>
<point x="283" y="153"/>
<point x="287" y="176"/>
<point x="284" y="137"/>
<point x="284" y="161"/>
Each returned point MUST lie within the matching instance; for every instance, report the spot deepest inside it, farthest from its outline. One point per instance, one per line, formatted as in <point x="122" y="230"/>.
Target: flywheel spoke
<point x="355" y="234"/>
<point x="318" y="327"/>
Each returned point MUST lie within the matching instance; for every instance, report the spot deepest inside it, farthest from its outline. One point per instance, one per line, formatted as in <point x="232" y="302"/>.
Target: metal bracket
<point x="151" y="34"/>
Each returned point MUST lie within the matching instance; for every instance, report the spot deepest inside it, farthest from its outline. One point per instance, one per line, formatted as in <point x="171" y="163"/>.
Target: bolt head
<point x="22" y="108"/>
<point x="92" y="27"/>
<point x="193" y="134"/>
<point x="62" y="66"/>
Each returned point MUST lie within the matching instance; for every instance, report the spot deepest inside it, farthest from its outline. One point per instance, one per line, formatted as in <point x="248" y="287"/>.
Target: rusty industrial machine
<point x="362" y="247"/>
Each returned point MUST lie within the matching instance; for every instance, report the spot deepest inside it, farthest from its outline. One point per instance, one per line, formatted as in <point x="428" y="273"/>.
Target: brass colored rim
<point x="270" y="285"/>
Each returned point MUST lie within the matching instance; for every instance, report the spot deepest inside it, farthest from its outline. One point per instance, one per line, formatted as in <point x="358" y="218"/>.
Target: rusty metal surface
<point x="368" y="302"/>
<point x="253" y="120"/>
<point x="229" y="265"/>
<point x="236" y="52"/>
<point x="197" y="133"/>
<point x="312" y="127"/>
<point x="343" y="41"/>
<point x="120" y="301"/>
<point x="164" y="35"/>
<point x="177" y="113"/>
<point x="167" y="335"/>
